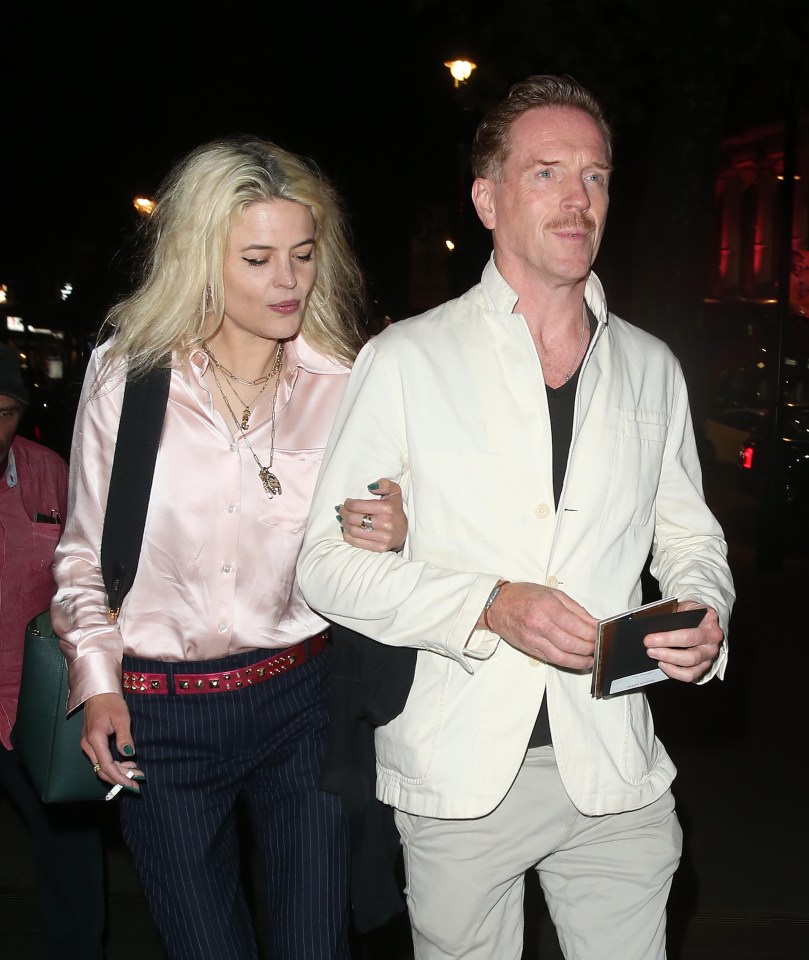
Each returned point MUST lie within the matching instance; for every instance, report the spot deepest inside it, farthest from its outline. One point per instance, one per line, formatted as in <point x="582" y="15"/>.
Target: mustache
<point x="576" y="221"/>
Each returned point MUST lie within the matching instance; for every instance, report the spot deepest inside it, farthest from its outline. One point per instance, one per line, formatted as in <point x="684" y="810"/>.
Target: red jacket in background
<point x="33" y="485"/>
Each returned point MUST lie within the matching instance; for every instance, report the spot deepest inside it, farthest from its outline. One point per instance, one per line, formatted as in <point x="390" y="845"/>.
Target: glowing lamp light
<point x="450" y="245"/>
<point x="461" y="70"/>
<point x="144" y="205"/>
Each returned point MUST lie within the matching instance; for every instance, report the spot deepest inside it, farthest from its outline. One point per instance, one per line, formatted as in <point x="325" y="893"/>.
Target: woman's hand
<point x="107" y="715"/>
<point x="379" y="525"/>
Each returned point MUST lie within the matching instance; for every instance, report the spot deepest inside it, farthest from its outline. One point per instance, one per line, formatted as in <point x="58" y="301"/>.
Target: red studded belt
<point x="249" y="676"/>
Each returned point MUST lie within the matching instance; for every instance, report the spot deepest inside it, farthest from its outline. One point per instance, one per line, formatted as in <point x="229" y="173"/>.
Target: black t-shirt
<point x="561" y="403"/>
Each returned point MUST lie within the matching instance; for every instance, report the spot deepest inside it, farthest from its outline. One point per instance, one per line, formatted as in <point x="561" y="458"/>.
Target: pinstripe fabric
<point x="199" y="754"/>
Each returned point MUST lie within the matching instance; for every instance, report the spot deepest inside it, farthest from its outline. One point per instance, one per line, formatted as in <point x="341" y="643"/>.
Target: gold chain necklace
<point x="246" y="408"/>
<point x="569" y="373"/>
<point x="232" y="376"/>
<point x="271" y="483"/>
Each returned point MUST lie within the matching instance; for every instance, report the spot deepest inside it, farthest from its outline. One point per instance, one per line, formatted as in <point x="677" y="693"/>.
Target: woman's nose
<point x="285" y="276"/>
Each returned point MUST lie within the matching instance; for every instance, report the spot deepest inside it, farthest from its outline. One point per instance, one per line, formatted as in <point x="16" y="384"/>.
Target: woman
<point x="252" y="289"/>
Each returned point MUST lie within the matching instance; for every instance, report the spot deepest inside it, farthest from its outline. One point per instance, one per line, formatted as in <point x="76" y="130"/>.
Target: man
<point x="544" y="447"/>
<point x="66" y="842"/>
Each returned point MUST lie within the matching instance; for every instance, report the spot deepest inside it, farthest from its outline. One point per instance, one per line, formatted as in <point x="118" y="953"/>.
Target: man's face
<point x="11" y="412"/>
<point x="547" y="213"/>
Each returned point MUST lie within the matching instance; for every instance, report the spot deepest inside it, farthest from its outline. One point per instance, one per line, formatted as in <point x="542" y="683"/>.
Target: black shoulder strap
<point x="142" y="415"/>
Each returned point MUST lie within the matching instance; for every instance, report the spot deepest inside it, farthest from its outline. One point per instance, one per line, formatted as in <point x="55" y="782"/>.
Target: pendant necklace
<point x="271" y="483"/>
<point x="569" y="373"/>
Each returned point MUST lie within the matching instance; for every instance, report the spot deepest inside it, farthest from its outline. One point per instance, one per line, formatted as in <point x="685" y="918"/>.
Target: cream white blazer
<point x="452" y="405"/>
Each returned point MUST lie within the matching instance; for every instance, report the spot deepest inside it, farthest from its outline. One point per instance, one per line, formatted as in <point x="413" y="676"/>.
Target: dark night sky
<point x="99" y="109"/>
<point x="96" y="106"/>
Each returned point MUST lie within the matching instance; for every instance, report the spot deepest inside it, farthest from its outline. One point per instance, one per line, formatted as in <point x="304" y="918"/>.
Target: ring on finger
<point x="96" y="767"/>
<point x="367" y="523"/>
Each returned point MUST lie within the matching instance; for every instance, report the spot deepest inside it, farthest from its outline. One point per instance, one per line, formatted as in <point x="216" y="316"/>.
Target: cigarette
<point x="119" y="786"/>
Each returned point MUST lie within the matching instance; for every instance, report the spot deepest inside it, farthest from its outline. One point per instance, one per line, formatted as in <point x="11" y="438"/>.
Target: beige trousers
<point x="606" y="879"/>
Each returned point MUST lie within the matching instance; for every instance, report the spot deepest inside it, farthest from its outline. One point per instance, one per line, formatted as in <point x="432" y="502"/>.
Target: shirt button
<point x="222" y="627"/>
<point x="226" y="567"/>
<point x="552" y="582"/>
<point x="534" y="662"/>
<point x="231" y="508"/>
<point x="542" y="511"/>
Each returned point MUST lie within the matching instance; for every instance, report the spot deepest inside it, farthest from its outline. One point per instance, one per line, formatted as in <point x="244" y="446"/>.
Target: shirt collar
<point x="498" y="295"/>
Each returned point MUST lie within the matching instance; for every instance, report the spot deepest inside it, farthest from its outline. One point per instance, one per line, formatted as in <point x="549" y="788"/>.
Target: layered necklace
<point x="271" y="483"/>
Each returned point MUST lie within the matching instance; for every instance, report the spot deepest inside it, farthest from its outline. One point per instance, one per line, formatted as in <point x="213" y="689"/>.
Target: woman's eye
<point x="305" y="257"/>
<point x="253" y="263"/>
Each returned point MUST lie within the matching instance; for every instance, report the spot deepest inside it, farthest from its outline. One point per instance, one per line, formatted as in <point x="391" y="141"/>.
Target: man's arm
<point x="387" y="596"/>
<point x="689" y="558"/>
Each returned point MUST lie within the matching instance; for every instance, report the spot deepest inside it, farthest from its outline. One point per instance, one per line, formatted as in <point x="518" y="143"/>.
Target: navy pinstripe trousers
<point x="200" y="753"/>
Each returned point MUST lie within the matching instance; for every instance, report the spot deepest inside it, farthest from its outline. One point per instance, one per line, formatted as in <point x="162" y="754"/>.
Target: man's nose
<point x="576" y="196"/>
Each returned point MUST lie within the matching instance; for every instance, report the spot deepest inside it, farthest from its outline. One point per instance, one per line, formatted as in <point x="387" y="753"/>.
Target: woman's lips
<point x="286" y="306"/>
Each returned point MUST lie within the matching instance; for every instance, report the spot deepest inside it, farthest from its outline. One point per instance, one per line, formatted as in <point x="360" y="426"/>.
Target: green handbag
<point x="47" y="741"/>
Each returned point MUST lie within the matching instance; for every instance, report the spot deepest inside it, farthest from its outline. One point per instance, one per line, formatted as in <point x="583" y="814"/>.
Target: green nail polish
<point x="128" y="749"/>
<point x="339" y="518"/>
<point x="337" y="508"/>
<point x="373" y="486"/>
<point x="140" y="777"/>
<point x="342" y="528"/>
<point x="131" y="787"/>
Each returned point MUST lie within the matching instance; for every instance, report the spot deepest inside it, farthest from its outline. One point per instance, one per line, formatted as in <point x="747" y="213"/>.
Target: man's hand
<point x="387" y="520"/>
<point x="687" y="654"/>
<point x="544" y="623"/>
<point x="107" y="715"/>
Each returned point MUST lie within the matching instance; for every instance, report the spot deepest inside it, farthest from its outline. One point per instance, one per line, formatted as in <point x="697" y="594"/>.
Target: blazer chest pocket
<point x="636" y="464"/>
<point x="642" y="425"/>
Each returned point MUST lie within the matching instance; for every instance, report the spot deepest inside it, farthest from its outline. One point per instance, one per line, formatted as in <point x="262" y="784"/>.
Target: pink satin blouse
<point x="217" y="568"/>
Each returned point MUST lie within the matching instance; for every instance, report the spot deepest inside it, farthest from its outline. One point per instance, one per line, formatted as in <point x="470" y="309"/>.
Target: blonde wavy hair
<point x="180" y="299"/>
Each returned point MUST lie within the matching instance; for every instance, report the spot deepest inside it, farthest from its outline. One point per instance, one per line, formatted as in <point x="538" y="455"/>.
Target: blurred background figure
<point x="66" y="842"/>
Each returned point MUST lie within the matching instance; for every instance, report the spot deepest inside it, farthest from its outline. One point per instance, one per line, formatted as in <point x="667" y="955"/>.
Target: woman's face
<point x="269" y="270"/>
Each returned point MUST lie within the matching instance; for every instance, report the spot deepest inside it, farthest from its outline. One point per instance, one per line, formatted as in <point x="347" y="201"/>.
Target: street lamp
<point x="144" y="205"/>
<point x="461" y="70"/>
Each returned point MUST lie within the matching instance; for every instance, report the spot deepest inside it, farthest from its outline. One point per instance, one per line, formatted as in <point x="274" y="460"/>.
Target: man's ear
<point x="483" y="199"/>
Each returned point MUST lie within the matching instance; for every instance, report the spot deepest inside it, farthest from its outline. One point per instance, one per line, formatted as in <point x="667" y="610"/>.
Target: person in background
<point x="66" y="842"/>
<point x="545" y="449"/>
<point x="214" y="676"/>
